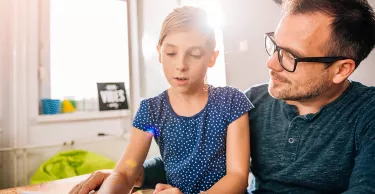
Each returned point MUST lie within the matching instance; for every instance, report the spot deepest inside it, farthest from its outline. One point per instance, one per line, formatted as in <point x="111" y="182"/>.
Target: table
<point x="62" y="186"/>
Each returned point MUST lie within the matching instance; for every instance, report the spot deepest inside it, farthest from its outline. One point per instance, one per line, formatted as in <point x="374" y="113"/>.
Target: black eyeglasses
<point x="289" y="60"/>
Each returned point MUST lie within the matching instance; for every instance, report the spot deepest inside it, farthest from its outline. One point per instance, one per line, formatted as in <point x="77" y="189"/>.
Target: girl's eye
<point x="196" y="56"/>
<point x="171" y="54"/>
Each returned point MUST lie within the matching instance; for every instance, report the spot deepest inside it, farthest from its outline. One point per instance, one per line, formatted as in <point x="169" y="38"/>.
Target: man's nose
<point x="273" y="63"/>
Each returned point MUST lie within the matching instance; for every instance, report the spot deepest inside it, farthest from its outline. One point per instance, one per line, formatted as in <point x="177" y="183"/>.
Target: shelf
<point x="124" y="137"/>
<point x="83" y="116"/>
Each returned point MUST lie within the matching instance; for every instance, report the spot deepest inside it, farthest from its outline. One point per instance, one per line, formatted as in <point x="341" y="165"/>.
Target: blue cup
<point x="51" y="106"/>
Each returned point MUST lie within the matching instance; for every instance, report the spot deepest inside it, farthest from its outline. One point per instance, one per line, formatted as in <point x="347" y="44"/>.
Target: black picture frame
<point x="112" y="96"/>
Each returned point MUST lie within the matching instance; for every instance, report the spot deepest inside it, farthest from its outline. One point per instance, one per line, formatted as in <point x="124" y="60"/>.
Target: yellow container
<point x="67" y="107"/>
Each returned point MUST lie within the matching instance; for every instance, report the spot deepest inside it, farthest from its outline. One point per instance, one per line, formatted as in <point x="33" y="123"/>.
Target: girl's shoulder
<point x="155" y="102"/>
<point x="228" y="97"/>
<point x="225" y="92"/>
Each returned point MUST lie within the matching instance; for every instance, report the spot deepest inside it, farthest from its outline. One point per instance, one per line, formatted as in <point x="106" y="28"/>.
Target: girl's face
<point x="185" y="56"/>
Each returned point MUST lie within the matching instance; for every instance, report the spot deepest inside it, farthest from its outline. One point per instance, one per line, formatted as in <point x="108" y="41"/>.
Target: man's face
<point x="305" y="35"/>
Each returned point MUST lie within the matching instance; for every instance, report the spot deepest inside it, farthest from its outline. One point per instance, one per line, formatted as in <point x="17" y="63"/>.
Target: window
<point x="85" y="42"/>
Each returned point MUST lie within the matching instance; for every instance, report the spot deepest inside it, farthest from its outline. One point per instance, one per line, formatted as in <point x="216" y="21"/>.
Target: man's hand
<point x="94" y="181"/>
<point x="166" y="189"/>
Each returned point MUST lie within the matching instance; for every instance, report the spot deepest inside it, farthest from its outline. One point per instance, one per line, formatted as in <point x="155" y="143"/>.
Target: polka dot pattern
<point x="193" y="148"/>
<point x="51" y="106"/>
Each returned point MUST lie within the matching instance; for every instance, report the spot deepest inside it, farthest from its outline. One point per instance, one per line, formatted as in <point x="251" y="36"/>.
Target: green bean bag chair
<point x="69" y="164"/>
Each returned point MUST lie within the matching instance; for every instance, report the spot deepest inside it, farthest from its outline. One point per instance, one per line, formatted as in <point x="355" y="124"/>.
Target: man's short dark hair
<point x="353" y="25"/>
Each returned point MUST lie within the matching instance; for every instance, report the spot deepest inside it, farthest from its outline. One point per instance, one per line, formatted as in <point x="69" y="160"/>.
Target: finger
<point x="176" y="191"/>
<point x="170" y="191"/>
<point x="93" y="182"/>
<point x="74" y="189"/>
<point x="160" y="187"/>
<point x="77" y="188"/>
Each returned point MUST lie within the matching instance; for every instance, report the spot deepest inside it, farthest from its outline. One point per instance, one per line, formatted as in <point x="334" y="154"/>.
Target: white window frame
<point x="44" y="79"/>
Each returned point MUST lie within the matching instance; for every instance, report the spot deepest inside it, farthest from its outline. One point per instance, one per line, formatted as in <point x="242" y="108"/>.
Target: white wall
<point x="366" y="70"/>
<point x="248" y="21"/>
<point x="5" y="48"/>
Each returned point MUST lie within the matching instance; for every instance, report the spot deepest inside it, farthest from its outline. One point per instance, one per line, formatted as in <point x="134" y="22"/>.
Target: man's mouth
<point x="276" y="77"/>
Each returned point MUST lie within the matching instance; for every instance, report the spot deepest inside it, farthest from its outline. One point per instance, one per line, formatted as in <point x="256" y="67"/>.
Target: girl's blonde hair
<point x="186" y="18"/>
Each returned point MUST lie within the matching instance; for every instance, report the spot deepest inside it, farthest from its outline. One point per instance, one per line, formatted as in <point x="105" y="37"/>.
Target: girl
<point x="202" y="131"/>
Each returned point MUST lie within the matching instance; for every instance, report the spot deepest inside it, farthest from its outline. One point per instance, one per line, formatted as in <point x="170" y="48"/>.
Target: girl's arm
<point x="128" y="167"/>
<point x="238" y="158"/>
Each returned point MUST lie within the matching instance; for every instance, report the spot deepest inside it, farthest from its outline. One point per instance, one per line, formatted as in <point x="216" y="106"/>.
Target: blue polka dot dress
<point x="193" y="148"/>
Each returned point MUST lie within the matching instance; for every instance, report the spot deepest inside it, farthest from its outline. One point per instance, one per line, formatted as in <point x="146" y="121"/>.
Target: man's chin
<point x="274" y="91"/>
<point x="279" y="94"/>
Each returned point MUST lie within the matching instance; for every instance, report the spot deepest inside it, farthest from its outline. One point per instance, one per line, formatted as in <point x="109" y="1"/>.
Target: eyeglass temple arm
<point x="320" y="59"/>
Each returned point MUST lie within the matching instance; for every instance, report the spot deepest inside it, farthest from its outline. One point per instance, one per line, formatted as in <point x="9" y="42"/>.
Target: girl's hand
<point x="166" y="189"/>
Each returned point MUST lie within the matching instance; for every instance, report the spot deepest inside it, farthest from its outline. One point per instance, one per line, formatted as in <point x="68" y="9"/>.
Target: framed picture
<point x="112" y="96"/>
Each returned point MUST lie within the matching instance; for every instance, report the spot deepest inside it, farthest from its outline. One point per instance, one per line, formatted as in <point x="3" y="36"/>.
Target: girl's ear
<point x="213" y="59"/>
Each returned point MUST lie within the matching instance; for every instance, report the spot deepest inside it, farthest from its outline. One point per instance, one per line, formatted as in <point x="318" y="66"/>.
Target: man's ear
<point x="158" y="47"/>
<point x="213" y="59"/>
<point x="342" y="70"/>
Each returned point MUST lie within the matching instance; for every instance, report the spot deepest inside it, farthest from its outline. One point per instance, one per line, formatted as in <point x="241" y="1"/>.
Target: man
<point x="312" y="130"/>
